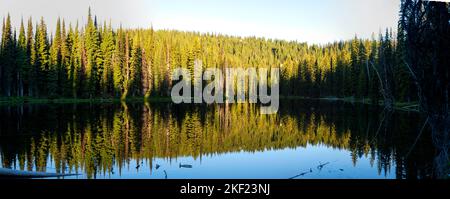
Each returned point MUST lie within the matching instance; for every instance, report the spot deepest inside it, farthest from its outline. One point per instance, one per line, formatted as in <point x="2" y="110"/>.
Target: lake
<point x="307" y="139"/>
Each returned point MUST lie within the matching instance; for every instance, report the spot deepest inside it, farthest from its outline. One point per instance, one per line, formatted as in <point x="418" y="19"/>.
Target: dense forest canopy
<point x="96" y="61"/>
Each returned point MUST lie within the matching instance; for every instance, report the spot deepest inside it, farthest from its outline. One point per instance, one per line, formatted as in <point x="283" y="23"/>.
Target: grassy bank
<point x="29" y="100"/>
<point x="405" y="106"/>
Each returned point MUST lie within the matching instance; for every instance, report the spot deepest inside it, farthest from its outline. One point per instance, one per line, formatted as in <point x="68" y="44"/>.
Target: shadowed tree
<point x="426" y="27"/>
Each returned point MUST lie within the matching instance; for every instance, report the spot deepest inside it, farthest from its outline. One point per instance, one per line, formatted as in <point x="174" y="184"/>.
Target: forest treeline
<point x="96" y="61"/>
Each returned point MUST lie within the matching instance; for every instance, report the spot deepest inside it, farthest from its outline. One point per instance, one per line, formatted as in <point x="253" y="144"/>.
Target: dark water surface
<point x="306" y="139"/>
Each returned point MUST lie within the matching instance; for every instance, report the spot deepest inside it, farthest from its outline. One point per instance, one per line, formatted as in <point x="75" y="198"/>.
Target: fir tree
<point x="8" y="57"/>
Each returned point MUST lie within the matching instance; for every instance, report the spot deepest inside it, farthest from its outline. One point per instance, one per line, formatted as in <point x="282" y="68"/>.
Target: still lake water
<point x="305" y="140"/>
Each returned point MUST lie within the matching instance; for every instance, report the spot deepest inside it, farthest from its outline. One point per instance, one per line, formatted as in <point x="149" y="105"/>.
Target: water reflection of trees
<point x="94" y="139"/>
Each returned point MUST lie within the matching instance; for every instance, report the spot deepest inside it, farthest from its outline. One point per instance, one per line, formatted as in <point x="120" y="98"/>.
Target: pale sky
<point x="314" y="21"/>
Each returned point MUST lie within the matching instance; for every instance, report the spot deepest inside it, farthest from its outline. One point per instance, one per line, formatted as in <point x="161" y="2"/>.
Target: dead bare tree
<point x="426" y="29"/>
<point x="385" y="89"/>
<point x="384" y="70"/>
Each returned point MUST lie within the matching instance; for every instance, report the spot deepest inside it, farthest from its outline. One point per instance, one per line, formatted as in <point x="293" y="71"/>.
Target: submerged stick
<point x="320" y="167"/>
<point x="302" y="174"/>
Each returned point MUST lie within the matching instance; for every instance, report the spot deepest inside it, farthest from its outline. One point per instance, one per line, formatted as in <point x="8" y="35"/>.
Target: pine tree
<point x="169" y="63"/>
<point x="75" y="67"/>
<point x="63" y="81"/>
<point x="374" y="91"/>
<point x="307" y="77"/>
<point x="22" y="61"/>
<point x="8" y="57"/>
<point x="385" y="71"/>
<point x="331" y="78"/>
<point x="43" y="59"/>
<point x="147" y="76"/>
<point x="317" y="79"/>
<point x="362" y="65"/>
<point x="93" y="65"/>
<point x="355" y="67"/>
<point x="30" y="70"/>
<point x="118" y="64"/>
<point x="405" y="89"/>
<point x="127" y="70"/>
<point x="107" y="48"/>
<point x="135" y="82"/>
<point x="54" y="84"/>
<point x="299" y="80"/>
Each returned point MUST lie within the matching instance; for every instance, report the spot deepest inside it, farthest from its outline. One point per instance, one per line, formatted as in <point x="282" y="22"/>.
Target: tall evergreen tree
<point x="22" y="61"/>
<point x="355" y="66"/>
<point x="54" y="85"/>
<point x="30" y="70"/>
<point x="75" y="67"/>
<point x="8" y="57"/>
<point x="363" y="71"/>
<point x="107" y="48"/>
<point x="93" y="58"/>
<point x="118" y="64"/>
<point x="135" y="79"/>
<point x="63" y="82"/>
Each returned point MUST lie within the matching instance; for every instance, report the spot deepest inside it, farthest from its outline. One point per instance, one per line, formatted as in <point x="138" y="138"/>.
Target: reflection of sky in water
<point x="270" y="164"/>
<point x="335" y="136"/>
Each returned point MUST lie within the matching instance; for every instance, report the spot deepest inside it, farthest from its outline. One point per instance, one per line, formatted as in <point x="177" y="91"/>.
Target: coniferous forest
<point x="94" y="60"/>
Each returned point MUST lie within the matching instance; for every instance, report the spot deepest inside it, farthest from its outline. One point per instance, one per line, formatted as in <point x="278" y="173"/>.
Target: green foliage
<point x="94" y="62"/>
<point x="7" y="58"/>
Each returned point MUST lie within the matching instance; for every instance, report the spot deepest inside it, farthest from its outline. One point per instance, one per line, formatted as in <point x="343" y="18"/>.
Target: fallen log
<point x="10" y="173"/>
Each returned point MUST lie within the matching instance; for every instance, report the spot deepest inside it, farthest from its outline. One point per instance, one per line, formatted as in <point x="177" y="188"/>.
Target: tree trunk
<point x="440" y="128"/>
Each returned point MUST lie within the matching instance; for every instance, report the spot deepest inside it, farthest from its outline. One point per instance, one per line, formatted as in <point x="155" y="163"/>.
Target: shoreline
<point x="11" y="101"/>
